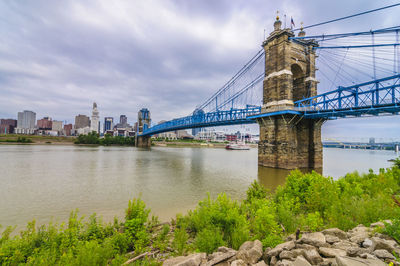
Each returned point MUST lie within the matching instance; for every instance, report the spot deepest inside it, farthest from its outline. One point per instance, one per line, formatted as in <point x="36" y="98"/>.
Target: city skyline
<point x="127" y="56"/>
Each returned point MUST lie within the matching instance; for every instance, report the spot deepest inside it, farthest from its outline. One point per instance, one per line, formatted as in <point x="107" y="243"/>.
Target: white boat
<point x="237" y="146"/>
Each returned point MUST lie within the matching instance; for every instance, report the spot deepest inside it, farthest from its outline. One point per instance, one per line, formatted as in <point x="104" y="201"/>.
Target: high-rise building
<point x="57" y="126"/>
<point x="7" y="126"/>
<point x="123" y="120"/>
<point x="68" y="130"/>
<point x="26" y="119"/>
<point x="108" y="123"/>
<point x="45" y="123"/>
<point x="94" y="124"/>
<point x="82" y="121"/>
<point x="26" y="122"/>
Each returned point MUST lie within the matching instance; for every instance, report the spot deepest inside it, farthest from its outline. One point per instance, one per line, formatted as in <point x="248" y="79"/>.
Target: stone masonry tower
<point x="288" y="140"/>
<point x="144" y="121"/>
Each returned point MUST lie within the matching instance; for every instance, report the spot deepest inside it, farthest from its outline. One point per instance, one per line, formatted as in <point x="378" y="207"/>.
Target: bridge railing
<point x="373" y="94"/>
<point x="217" y="118"/>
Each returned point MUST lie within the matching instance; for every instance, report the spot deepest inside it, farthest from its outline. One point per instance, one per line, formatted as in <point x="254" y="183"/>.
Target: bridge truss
<point x="359" y="74"/>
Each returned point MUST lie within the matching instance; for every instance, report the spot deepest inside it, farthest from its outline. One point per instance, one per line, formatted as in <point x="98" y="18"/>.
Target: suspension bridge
<point x="277" y="88"/>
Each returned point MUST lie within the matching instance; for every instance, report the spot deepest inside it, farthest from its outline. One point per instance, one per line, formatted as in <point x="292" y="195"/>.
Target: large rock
<point x="191" y="260"/>
<point x="377" y="224"/>
<point x="260" y="263"/>
<point x="284" y="263"/>
<point x="344" y="245"/>
<point x="250" y="252"/>
<point x="359" y="234"/>
<point x="356" y="251"/>
<point x="279" y="248"/>
<point x="301" y="261"/>
<point x="238" y="263"/>
<point x="220" y="257"/>
<point x="367" y="243"/>
<point x="331" y="252"/>
<point x="349" y="261"/>
<point x="328" y="262"/>
<point x="389" y="245"/>
<point x="316" y="239"/>
<point x="332" y="239"/>
<point x="383" y="254"/>
<point x="286" y="254"/>
<point x="312" y="256"/>
<point x="335" y="232"/>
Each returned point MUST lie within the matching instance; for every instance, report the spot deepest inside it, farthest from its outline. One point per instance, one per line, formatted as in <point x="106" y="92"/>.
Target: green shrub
<point x="180" y="239"/>
<point x="208" y="240"/>
<point x="393" y="230"/>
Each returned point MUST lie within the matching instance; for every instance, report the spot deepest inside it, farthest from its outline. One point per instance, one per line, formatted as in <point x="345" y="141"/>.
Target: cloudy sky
<point x="57" y="57"/>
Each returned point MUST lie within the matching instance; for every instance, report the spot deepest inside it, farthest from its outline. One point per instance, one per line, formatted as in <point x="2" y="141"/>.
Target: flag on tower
<point x="292" y="23"/>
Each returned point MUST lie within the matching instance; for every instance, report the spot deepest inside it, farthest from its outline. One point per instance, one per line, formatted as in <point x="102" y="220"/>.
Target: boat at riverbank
<point x="237" y="146"/>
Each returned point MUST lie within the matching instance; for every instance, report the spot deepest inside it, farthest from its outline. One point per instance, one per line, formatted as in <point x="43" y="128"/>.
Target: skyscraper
<point x="26" y="122"/>
<point x="82" y="121"/>
<point x="123" y="120"/>
<point x="94" y="124"/>
<point x="108" y="123"/>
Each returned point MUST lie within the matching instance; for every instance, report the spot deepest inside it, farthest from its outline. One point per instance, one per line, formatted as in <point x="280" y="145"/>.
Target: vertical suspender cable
<point x="397" y="49"/>
<point x="373" y="53"/>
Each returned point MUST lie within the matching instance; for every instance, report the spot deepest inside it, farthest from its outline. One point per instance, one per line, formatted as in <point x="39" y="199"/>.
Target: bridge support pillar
<point x="287" y="139"/>
<point x="289" y="142"/>
<point x="144" y="121"/>
<point x="143" y="141"/>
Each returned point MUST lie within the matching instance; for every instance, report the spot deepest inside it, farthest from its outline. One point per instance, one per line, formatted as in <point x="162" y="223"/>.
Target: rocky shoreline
<point x="360" y="246"/>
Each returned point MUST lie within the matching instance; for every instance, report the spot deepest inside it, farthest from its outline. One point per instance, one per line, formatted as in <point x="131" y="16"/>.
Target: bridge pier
<point x="144" y="121"/>
<point x="288" y="140"/>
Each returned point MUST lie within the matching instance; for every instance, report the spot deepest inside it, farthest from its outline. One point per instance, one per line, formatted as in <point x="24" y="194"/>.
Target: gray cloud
<point x="57" y="57"/>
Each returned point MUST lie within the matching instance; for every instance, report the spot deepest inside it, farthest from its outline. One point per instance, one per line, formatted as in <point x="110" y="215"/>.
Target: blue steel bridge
<point x="359" y="74"/>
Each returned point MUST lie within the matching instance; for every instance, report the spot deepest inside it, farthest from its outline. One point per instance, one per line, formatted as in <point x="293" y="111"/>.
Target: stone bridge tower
<point x="288" y="140"/>
<point x="144" y="121"/>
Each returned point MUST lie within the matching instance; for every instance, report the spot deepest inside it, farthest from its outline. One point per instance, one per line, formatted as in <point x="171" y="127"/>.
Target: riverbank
<point x="13" y="139"/>
<point x="196" y="144"/>
<point x="306" y="203"/>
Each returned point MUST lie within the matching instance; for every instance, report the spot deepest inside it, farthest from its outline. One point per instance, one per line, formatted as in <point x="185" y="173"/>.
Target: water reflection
<point x="271" y="178"/>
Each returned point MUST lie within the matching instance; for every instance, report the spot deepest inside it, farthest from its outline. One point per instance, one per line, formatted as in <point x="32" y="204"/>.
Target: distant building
<point x="231" y="137"/>
<point x="82" y="121"/>
<point x="108" y="124"/>
<point x="123" y="120"/>
<point x="68" y="130"/>
<point x="26" y="122"/>
<point x="45" y="123"/>
<point x="57" y="126"/>
<point x="7" y="126"/>
<point x="211" y="136"/>
<point x="372" y="141"/>
<point x="183" y="134"/>
<point x="94" y="124"/>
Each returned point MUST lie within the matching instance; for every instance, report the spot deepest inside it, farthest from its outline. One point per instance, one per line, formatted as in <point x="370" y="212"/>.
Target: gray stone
<point x="359" y="234"/>
<point x="331" y="252"/>
<point x="279" y="248"/>
<point x="312" y="256"/>
<point x="273" y="261"/>
<point x="301" y="261"/>
<point x="367" y="256"/>
<point x="238" y="263"/>
<point x="220" y="257"/>
<point x="328" y="262"/>
<point x="316" y="239"/>
<point x="225" y="249"/>
<point x="284" y="263"/>
<point x="260" y="263"/>
<point x="377" y="224"/>
<point x="335" y="232"/>
<point x="286" y="254"/>
<point x="250" y="251"/>
<point x="304" y="246"/>
<point x="332" y="239"/>
<point x="297" y="252"/>
<point x="356" y="251"/>
<point x="344" y="244"/>
<point x="383" y="254"/>
<point x="349" y="261"/>
<point x="389" y="245"/>
<point x="190" y="260"/>
<point x="367" y="243"/>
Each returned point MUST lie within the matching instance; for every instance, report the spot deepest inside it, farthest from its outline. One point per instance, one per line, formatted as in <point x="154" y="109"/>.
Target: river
<point x="46" y="182"/>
